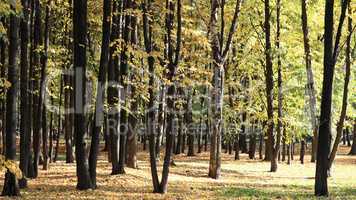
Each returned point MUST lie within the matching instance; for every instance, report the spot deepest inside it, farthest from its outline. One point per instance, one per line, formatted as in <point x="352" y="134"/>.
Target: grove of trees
<point x="79" y="77"/>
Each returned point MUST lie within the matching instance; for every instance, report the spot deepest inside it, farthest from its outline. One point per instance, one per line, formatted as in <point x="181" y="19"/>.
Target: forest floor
<point x="243" y="179"/>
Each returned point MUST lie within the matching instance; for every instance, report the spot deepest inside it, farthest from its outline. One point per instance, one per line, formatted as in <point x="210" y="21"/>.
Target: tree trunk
<point x="330" y="57"/>
<point x="79" y="33"/>
<point x="276" y="142"/>
<point x="113" y="93"/>
<point x="51" y="135"/>
<point x="340" y="124"/>
<point x="37" y="114"/>
<point x="3" y="102"/>
<point x="25" y="123"/>
<point x="44" y="61"/>
<point x="188" y="122"/>
<point x="252" y="144"/>
<point x="310" y="79"/>
<point x="132" y="121"/>
<point x="302" y="151"/>
<point x="11" y="187"/>
<point x="269" y="89"/>
<point x="348" y="137"/>
<point x="99" y="106"/>
<point x="353" y="147"/>
<point x="284" y="144"/>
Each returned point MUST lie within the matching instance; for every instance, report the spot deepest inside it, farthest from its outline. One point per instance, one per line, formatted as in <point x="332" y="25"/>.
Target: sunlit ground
<point x="243" y="179"/>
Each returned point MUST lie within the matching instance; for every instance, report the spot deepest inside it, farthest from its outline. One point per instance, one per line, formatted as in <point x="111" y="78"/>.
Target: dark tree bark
<point x="68" y="119"/>
<point x="310" y="79"/>
<point x="302" y="151"/>
<point x="148" y="41"/>
<point x="123" y="73"/>
<point x="243" y="134"/>
<point x="340" y="124"/>
<point x="44" y="61"/>
<point x="252" y="143"/>
<point x="37" y="115"/>
<point x="131" y="160"/>
<point x="260" y="146"/>
<point x="353" y="147"/>
<point x="180" y="139"/>
<point x="99" y="106"/>
<point x="3" y="102"/>
<point x="80" y="33"/>
<point x="51" y="136"/>
<point x="269" y="89"/>
<point x="188" y="122"/>
<point x="173" y="58"/>
<point x="11" y="187"/>
<point x="289" y="153"/>
<point x="25" y="123"/>
<point x="113" y="93"/>
<point x="348" y="137"/>
<point x="330" y="57"/>
<point x="284" y="145"/>
<point x="200" y="146"/>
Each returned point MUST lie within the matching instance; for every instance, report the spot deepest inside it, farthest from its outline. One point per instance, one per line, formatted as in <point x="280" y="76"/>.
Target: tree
<point x="42" y="107"/>
<point x="353" y="147"/>
<point x="173" y="56"/>
<point x="11" y="187"/>
<point x="310" y="79"/>
<point x="37" y="118"/>
<point x="113" y="93"/>
<point x="340" y="124"/>
<point x="330" y="58"/>
<point x="273" y="144"/>
<point x="219" y="54"/>
<point x="25" y="123"/>
<point x="80" y="43"/>
<point x="99" y="104"/>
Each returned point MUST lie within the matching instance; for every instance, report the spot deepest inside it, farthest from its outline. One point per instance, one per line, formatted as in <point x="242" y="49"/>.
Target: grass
<point x="243" y="179"/>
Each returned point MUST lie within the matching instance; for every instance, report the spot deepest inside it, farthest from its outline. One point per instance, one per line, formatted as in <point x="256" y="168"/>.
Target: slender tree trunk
<point x="252" y="144"/>
<point x="302" y="151"/>
<point x="340" y="124"/>
<point x="51" y="136"/>
<point x="79" y="33"/>
<point x="44" y="61"/>
<point x="147" y="31"/>
<point x="219" y="53"/>
<point x="310" y="79"/>
<point x="348" y="137"/>
<point x="3" y="102"/>
<point x="260" y="146"/>
<point x="353" y="147"/>
<point x="330" y="57"/>
<point x="11" y="187"/>
<point x="289" y="153"/>
<point x="161" y="120"/>
<point x="242" y="139"/>
<point x="37" y="115"/>
<point x="99" y="106"/>
<point x="25" y="123"/>
<point x="188" y="122"/>
<point x="276" y="144"/>
<point x="284" y="145"/>
<point x="113" y="93"/>
<point x="132" y="121"/>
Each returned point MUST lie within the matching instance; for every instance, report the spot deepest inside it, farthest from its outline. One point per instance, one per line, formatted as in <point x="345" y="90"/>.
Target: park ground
<point x="242" y="179"/>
